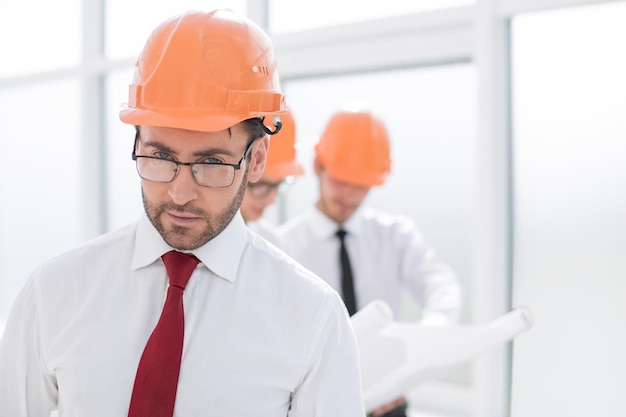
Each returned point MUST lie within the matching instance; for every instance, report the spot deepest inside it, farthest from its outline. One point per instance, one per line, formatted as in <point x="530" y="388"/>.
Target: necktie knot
<point x="179" y="267"/>
<point x="341" y="234"/>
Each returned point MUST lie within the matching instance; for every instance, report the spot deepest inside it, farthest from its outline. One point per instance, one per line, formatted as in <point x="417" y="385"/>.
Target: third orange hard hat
<point x="204" y="71"/>
<point x="281" y="157"/>
<point x="354" y="148"/>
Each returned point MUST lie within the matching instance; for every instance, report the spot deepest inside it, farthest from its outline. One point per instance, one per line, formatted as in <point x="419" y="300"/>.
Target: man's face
<point x="258" y="196"/>
<point x="188" y="215"/>
<point x="338" y="200"/>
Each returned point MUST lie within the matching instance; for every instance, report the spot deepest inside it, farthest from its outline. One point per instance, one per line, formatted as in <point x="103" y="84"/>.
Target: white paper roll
<point x="398" y="356"/>
<point x="371" y="319"/>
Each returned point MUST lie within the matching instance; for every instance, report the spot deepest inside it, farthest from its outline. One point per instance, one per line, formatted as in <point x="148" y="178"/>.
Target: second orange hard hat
<point x="354" y="148"/>
<point x="281" y="157"/>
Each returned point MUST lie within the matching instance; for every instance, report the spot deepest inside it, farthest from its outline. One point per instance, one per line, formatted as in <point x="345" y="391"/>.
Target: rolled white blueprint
<point x="399" y="356"/>
<point x="371" y="319"/>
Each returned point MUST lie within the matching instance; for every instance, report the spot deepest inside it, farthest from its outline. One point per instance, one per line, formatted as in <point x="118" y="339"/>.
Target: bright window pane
<point x="39" y="179"/>
<point x="38" y="35"/>
<point x="569" y="86"/>
<point x="123" y="183"/>
<point x="129" y="23"/>
<point x="294" y="15"/>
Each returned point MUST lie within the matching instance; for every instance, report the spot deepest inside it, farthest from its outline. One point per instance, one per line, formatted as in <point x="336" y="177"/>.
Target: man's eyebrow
<point x="201" y="153"/>
<point x="157" y="145"/>
<point x="213" y="152"/>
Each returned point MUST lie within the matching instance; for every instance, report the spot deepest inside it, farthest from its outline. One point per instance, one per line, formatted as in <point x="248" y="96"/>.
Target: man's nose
<point x="184" y="187"/>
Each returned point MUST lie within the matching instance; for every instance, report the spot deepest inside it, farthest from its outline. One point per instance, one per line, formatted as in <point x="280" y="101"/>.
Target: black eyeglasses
<point x="206" y="174"/>
<point x="262" y="188"/>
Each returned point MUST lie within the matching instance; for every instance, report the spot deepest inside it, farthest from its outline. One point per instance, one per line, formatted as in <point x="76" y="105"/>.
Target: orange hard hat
<point x="355" y="149"/>
<point x="206" y="72"/>
<point x="281" y="157"/>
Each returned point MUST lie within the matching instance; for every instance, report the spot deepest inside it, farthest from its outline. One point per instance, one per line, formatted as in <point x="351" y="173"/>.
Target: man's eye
<point x="162" y="155"/>
<point x="213" y="160"/>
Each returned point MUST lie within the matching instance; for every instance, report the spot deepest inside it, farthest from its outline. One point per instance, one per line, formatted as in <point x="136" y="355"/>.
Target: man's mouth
<point x="181" y="218"/>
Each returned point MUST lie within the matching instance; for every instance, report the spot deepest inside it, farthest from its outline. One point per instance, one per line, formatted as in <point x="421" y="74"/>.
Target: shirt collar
<point x="221" y="254"/>
<point x="325" y="227"/>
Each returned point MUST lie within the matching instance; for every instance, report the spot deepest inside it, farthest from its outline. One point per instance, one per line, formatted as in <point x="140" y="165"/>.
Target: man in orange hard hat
<point x="281" y="166"/>
<point x="362" y="253"/>
<point x="186" y="312"/>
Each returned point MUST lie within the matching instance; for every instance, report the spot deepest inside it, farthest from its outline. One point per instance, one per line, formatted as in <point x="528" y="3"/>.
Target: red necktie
<point x="154" y="392"/>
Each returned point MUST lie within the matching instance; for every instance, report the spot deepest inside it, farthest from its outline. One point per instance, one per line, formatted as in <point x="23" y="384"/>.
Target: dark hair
<point x="254" y="127"/>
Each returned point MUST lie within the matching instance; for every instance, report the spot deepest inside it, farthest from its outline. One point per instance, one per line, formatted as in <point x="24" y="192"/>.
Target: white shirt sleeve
<point x="27" y="389"/>
<point x="332" y="385"/>
<point x="432" y="282"/>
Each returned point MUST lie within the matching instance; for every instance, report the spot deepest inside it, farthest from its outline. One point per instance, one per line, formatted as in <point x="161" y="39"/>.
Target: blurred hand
<point x="377" y="412"/>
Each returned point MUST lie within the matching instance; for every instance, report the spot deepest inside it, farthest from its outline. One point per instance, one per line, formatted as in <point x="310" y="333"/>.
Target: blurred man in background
<point x="280" y="167"/>
<point x="362" y="253"/>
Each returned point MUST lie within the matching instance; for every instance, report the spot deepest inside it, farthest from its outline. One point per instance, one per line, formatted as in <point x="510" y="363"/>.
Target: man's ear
<point x="258" y="157"/>
<point x="317" y="166"/>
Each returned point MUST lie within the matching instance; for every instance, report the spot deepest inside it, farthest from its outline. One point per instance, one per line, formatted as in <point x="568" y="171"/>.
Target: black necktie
<point x="347" y="284"/>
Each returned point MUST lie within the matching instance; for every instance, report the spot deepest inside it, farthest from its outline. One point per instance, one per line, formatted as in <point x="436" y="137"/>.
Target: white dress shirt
<point x="264" y="228"/>
<point x="263" y="336"/>
<point x="387" y="253"/>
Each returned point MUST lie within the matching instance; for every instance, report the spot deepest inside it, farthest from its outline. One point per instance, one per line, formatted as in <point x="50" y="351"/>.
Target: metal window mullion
<point x="93" y="178"/>
<point x="491" y="276"/>
<point x="395" y="42"/>
<point x="258" y="12"/>
<point x="509" y="8"/>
